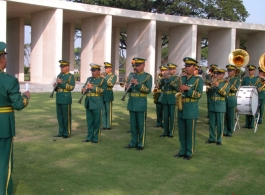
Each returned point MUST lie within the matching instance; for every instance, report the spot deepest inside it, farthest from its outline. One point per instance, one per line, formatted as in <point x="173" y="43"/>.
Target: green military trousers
<point x="159" y="115"/>
<point x="93" y="118"/>
<point x="216" y="120"/>
<point x="249" y="121"/>
<point x="64" y="118"/>
<point x="6" y="166"/>
<point x="229" y="123"/>
<point x="107" y="114"/>
<point x="261" y="110"/>
<point x="187" y="135"/>
<point x="137" y="128"/>
<point x="169" y="111"/>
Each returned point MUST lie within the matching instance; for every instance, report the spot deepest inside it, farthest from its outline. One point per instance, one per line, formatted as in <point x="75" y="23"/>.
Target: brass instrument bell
<point x="239" y="58"/>
<point x="262" y="62"/>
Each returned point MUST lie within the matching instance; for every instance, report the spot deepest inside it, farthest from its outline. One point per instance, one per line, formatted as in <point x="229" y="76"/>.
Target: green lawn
<point x="44" y="165"/>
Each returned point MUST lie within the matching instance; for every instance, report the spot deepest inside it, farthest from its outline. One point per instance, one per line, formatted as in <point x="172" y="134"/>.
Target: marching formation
<point x="176" y="98"/>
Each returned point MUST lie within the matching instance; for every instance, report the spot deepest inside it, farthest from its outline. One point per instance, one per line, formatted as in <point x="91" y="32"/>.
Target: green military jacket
<point x="111" y="80"/>
<point x="262" y="89"/>
<point x="208" y="81"/>
<point x="94" y="96"/>
<point x="63" y="95"/>
<point x="231" y="99"/>
<point x="138" y="93"/>
<point x="156" y="95"/>
<point x="251" y="81"/>
<point x="190" y="97"/>
<point x="217" y="101"/>
<point x="10" y="99"/>
<point x="169" y="89"/>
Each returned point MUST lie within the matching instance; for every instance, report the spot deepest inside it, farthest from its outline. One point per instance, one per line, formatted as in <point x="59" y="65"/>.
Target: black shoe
<point x="57" y="136"/>
<point x="129" y="147"/>
<point x="94" y="142"/>
<point x="157" y="126"/>
<point x="128" y="131"/>
<point x="219" y="143"/>
<point x="228" y="135"/>
<point x="104" y="128"/>
<point x="187" y="157"/>
<point x="178" y="155"/>
<point x="162" y="135"/>
<point x="65" y="137"/>
<point x="108" y="128"/>
<point x="86" y="140"/>
<point x="139" y="148"/>
<point x="259" y="122"/>
<point x="170" y="136"/>
<point x="209" y="142"/>
<point x="225" y="135"/>
<point x="245" y="127"/>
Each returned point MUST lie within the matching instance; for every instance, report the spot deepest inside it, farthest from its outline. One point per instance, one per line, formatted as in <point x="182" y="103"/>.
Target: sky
<point x="254" y="7"/>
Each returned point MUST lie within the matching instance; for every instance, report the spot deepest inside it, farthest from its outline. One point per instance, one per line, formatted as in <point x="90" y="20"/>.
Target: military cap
<point x="197" y="66"/>
<point x="251" y="67"/>
<point x="107" y="65"/>
<point x="2" y="48"/>
<point x="171" y="66"/>
<point x="162" y="67"/>
<point x="63" y="63"/>
<point x="231" y="67"/>
<point x="213" y="66"/>
<point x="95" y="66"/>
<point x="189" y="61"/>
<point x="137" y="61"/>
<point x="221" y="70"/>
<point x="261" y="69"/>
<point x="183" y="69"/>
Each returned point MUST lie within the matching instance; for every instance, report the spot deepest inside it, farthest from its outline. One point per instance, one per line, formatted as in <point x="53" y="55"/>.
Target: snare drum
<point x="247" y="100"/>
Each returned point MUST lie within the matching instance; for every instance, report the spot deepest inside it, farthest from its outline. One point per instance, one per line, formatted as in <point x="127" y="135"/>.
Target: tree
<point x="77" y="52"/>
<point x="27" y="51"/>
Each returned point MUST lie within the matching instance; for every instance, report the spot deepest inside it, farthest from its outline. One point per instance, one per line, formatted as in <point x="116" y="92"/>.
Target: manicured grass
<point x="44" y="165"/>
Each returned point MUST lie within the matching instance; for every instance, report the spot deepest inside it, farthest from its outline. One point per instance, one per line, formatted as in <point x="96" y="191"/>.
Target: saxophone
<point x="179" y="97"/>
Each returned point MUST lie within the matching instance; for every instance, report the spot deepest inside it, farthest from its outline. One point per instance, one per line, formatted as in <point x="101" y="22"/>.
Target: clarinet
<point x="83" y="94"/>
<point x="127" y="90"/>
<point x="54" y="89"/>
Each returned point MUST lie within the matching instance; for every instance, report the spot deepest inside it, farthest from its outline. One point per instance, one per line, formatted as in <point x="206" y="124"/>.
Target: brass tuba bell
<point x="262" y="62"/>
<point x="239" y="58"/>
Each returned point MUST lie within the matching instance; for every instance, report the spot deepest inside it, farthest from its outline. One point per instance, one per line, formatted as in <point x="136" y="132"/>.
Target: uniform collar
<point x="188" y="77"/>
<point x="141" y="72"/>
<point x="252" y="76"/>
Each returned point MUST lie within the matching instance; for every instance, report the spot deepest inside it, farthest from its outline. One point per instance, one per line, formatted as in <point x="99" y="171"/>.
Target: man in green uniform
<point x="231" y="101"/>
<point x="191" y="87"/>
<point x="157" y="94"/>
<point x="208" y="81"/>
<point x="261" y="95"/>
<point x="140" y="85"/>
<point x="10" y="99"/>
<point x="94" y="89"/>
<point x="65" y="83"/>
<point x="251" y="80"/>
<point x="108" y="96"/>
<point x="169" y="87"/>
<point x="217" y="106"/>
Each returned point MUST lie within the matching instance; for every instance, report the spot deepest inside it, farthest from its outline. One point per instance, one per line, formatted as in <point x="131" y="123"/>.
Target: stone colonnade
<point x="52" y="37"/>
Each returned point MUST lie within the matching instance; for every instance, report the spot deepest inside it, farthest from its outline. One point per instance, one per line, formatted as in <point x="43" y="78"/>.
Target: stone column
<point x="68" y="44"/>
<point x="46" y="45"/>
<point x="3" y="13"/>
<point x="158" y="53"/>
<point x="255" y="48"/>
<point x="115" y="55"/>
<point x="96" y="43"/>
<point x="141" y="38"/>
<point x="182" y="43"/>
<point x="15" y="39"/>
<point x="221" y="43"/>
<point x="198" y="51"/>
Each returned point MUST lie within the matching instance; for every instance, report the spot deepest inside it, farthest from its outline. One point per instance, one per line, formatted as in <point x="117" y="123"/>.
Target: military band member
<point x="65" y="83"/>
<point x="231" y="101"/>
<point x="251" y="80"/>
<point x="94" y="89"/>
<point x="169" y="87"/>
<point x="196" y="71"/>
<point x="141" y="85"/>
<point x="191" y="87"/>
<point x="108" y="96"/>
<point x="261" y="94"/>
<point x="183" y="72"/>
<point x="208" y="80"/>
<point x="157" y="94"/>
<point x="11" y="99"/>
<point x="217" y="106"/>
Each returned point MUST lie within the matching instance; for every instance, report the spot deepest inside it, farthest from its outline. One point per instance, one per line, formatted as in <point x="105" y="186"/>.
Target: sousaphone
<point x="262" y="62"/>
<point x="238" y="58"/>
